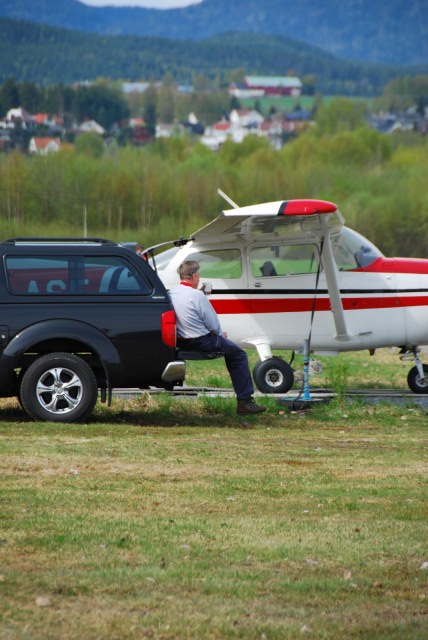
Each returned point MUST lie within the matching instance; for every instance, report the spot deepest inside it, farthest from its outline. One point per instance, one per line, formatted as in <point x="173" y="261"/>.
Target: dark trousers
<point x="236" y="360"/>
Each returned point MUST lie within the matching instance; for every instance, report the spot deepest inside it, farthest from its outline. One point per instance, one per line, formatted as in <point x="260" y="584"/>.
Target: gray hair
<point x="187" y="269"/>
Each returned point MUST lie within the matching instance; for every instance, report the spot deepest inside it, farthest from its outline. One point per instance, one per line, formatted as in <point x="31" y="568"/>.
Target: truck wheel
<point x="273" y="375"/>
<point x="417" y="383"/>
<point x="59" y="387"/>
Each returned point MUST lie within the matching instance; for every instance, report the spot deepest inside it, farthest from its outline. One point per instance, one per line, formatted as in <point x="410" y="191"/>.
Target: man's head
<point x="189" y="272"/>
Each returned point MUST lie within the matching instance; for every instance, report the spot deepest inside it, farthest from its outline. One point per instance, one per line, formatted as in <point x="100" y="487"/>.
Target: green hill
<point x="49" y="55"/>
<point x="393" y="32"/>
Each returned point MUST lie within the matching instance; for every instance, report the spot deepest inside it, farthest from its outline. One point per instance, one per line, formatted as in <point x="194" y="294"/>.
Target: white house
<point x="91" y="126"/>
<point x="256" y="86"/>
<point x="43" y="146"/>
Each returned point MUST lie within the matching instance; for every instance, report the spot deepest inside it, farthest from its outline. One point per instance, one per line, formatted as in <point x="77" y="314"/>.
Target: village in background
<point x="272" y="107"/>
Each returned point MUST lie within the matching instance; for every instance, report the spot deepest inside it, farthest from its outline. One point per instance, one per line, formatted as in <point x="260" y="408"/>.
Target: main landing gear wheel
<point x="273" y="375"/>
<point x="59" y="387"/>
<point x="416" y="382"/>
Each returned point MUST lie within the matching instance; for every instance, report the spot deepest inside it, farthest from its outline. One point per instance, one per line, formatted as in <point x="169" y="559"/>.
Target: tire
<point x="59" y="387"/>
<point x="415" y="382"/>
<point x="273" y="375"/>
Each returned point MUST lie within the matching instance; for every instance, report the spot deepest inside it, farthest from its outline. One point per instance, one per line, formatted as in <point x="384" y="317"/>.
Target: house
<point x="193" y="125"/>
<point x="239" y="124"/>
<point x="17" y="115"/>
<point x="40" y="118"/>
<point x="258" y="86"/>
<point x="53" y="122"/>
<point x="43" y="146"/>
<point x="5" y="139"/>
<point x="91" y="126"/>
<point x="135" y="87"/>
<point x="248" y="118"/>
<point x="135" y="123"/>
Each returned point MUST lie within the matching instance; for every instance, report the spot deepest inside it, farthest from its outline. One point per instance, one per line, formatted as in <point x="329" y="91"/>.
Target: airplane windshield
<point x="353" y="251"/>
<point x="163" y="259"/>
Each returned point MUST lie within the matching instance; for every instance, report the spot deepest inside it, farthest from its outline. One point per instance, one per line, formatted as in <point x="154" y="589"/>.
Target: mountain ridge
<point x="364" y="30"/>
<point x="65" y="56"/>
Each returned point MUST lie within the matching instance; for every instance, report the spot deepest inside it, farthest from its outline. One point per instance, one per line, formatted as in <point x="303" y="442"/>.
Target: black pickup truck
<point x="78" y="318"/>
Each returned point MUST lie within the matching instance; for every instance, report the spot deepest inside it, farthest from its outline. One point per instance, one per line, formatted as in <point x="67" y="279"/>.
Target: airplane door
<point x="282" y="282"/>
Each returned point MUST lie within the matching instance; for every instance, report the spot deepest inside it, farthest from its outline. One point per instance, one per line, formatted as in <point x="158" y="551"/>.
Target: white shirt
<point x="195" y="314"/>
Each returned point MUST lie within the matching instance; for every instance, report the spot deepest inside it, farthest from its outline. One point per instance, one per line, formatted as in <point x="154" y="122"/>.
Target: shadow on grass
<point x="169" y="411"/>
<point x="164" y="411"/>
<point x="220" y="412"/>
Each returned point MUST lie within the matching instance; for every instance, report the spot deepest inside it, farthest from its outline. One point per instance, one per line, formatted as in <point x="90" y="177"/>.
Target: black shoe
<point x="248" y="407"/>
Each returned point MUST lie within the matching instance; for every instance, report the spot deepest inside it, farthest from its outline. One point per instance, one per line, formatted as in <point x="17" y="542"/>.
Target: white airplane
<point x="282" y="273"/>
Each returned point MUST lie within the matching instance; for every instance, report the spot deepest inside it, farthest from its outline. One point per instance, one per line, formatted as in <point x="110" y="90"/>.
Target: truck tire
<point x="59" y="387"/>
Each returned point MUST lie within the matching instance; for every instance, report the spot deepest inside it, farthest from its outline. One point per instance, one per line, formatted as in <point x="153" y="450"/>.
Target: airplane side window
<point x="224" y="263"/>
<point x="284" y="260"/>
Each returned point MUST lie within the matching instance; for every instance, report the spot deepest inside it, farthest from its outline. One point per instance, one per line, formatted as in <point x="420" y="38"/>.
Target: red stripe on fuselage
<point x="414" y="266"/>
<point x="296" y="305"/>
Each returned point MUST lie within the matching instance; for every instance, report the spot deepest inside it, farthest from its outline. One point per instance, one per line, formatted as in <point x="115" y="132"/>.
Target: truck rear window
<point x="68" y="275"/>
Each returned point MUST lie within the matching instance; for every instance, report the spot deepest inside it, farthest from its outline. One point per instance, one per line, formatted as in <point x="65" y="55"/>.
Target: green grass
<point x="289" y="103"/>
<point x="172" y="518"/>
<point x="354" y="370"/>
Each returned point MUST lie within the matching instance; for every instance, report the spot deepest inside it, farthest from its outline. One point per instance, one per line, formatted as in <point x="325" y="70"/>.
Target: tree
<point x="340" y="114"/>
<point x="235" y="75"/>
<point x="406" y="91"/>
<point x="59" y="99"/>
<point x="200" y="83"/>
<point x="100" y="103"/>
<point x="234" y="103"/>
<point x="166" y="104"/>
<point x="91" y="144"/>
<point x="9" y="95"/>
<point x="309" y="84"/>
<point x="150" y="101"/>
<point x="31" y="97"/>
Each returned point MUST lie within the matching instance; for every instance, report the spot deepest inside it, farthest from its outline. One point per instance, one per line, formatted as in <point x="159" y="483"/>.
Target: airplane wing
<point x="285" y="208"/>
<point x="284" y="219"/>
<point x="309" y="220"/>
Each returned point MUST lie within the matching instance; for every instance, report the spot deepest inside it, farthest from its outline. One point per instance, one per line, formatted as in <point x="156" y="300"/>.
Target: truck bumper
<point x="174" y="371"/>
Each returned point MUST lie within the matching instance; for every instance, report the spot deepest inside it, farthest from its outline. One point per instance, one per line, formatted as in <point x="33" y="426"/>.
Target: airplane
<point x="288" y="273"/>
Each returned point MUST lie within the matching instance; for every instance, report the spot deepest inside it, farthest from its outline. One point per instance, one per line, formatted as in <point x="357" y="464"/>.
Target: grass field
<point x="172" y="518"/>
<point x="290" y="103"/>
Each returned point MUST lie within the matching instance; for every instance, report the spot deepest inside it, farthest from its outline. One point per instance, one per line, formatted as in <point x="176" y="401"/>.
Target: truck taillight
<point x="169" y="328"/>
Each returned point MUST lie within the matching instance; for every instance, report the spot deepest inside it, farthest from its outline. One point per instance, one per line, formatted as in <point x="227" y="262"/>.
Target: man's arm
<point x="209" y="316"/>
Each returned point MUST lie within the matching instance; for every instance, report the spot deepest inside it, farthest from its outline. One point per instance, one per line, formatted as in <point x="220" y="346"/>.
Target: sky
<point x="148" y="4"/>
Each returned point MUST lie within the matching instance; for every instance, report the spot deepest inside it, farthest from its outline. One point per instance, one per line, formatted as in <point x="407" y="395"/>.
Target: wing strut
<point x="229" y="200"/>
<point x="330" y="268"/>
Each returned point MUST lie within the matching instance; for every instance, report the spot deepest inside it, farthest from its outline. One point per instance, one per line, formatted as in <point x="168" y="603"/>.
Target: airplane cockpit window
<point x="222" y="263"/>
<point x="284" y="260"/>
<point x="352" y="251"/>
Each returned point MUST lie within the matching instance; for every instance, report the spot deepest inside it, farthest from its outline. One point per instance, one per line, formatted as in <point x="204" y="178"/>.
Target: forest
<point x="169" y="188"/>
<point x="49" y="55"/>
<point x="371" y="30"/>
